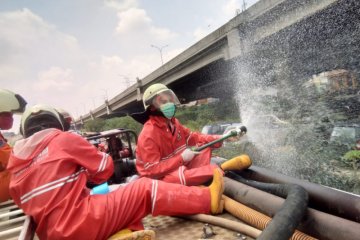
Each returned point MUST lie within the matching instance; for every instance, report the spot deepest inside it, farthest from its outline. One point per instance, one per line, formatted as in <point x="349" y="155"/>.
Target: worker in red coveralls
<point x="50" y="169"/>
<point x="10" y="103"/>
<point x="164" y="145"/>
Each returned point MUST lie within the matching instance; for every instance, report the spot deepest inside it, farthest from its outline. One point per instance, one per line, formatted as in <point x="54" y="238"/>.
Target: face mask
<point x="6" y="121"/>
<point x="168" y="109"/>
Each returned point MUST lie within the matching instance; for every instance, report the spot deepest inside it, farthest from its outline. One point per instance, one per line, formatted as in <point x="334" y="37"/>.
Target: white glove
<point x="187" y="155"/>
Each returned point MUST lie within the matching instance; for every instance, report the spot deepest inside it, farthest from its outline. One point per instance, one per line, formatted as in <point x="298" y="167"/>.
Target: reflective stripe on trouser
<point x="196" y="172"/>
<point x="146" y="196"/>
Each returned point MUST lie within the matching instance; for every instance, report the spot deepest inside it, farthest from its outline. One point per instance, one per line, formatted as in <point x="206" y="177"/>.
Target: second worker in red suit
<point x="164" y="145"/>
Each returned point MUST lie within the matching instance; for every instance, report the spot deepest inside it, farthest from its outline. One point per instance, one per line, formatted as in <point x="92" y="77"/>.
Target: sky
<point x="73" y="54"/>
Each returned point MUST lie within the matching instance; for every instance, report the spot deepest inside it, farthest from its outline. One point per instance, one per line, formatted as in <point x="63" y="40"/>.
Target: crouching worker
<point x="50" y="169"/>
<point x="164" y="144"/>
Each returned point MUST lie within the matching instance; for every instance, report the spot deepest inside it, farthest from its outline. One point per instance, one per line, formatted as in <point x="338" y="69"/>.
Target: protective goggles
<point x="165" y="97"/>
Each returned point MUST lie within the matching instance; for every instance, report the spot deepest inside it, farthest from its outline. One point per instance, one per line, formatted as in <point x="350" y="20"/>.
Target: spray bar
<point x="240" y="131"/>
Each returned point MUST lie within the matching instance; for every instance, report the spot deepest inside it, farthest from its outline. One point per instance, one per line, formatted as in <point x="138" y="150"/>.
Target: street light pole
<point x="84" y="105"/>
<point x="160" y="50"/>
<point x="93" y="101"/>
<point x="243" y="7"/>
<point x="127" y="80"/>
<point x="106" y="94"/>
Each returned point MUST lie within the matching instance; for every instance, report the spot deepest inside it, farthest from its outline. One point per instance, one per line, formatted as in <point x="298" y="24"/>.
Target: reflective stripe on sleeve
<point x="187" y="140"/>
<point x="149" y="165"/>
<point x="175" y="152"/>
<point x="103" y="162"/>
<point x="50" y="186"/>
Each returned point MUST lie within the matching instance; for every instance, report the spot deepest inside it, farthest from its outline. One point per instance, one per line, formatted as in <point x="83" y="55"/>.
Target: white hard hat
<point x="40" y="117"/>
<point x="11" y="102"/>
<point x="154" y="90"/>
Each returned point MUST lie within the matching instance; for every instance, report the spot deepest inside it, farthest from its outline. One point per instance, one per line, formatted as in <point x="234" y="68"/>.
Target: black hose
<point x="329" y="200"/>
<point x="285" y="221"/>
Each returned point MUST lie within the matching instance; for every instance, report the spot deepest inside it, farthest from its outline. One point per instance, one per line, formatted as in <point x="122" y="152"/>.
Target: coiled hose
<point x="226" y="223"/>
<point x="286" y="220"/>
<point x="258" y="220"/>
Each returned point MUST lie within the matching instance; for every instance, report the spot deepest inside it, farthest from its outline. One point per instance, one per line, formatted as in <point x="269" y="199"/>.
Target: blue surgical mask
<point x="168" y="109"/>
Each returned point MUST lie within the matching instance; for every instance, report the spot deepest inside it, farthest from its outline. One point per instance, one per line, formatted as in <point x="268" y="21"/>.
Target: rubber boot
<point x="237" y="163"/>
<point x="127" y="234"/>
<point x="216" y="191"/>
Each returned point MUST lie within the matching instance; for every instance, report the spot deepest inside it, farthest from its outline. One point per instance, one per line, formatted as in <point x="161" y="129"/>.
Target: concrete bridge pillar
<point x="235" y="44"/>
<point x="138" y="89"/>
<point x="108" y="109"/>
<point x="282" y="74"/>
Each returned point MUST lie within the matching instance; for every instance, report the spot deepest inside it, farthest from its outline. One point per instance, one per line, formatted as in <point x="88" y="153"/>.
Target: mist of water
<point x="294" y="90"/>
<point x="283" y="140"/>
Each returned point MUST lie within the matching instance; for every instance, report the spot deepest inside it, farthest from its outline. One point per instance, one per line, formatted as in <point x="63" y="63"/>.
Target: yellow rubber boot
<point x="127" y="234"/>
<point x="237" y="163"/>
<point x="216" y="191"/>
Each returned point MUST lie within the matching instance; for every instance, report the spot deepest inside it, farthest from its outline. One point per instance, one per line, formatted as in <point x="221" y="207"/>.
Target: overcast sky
<point x="74" y="53"/>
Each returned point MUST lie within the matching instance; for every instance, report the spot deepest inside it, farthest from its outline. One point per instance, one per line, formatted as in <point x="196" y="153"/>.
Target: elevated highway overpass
<point x="272" y="38"/>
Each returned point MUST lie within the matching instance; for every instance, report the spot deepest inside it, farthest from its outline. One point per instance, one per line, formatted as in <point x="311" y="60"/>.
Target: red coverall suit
<point x="158" y="153"/>
<point x="5" y="151"/>
<point x="49" y="174"/>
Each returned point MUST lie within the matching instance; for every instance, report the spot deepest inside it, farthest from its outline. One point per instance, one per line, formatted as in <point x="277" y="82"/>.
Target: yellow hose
<point x="127" y="234"/>
<point x="255" y="218"/>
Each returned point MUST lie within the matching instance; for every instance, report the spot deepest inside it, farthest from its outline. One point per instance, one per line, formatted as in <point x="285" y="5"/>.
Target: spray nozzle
<point x="239" y="131"/>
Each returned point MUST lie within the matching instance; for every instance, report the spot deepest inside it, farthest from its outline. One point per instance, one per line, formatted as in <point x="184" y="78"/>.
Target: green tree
<point x="123" y="122"/>
<point x="194" y="117"/>
<point x="96" y="125"/>
<point x="353" y="158"/>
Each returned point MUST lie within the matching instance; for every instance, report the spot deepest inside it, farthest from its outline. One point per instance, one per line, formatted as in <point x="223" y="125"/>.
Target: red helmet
<point x="67" y="118"/>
